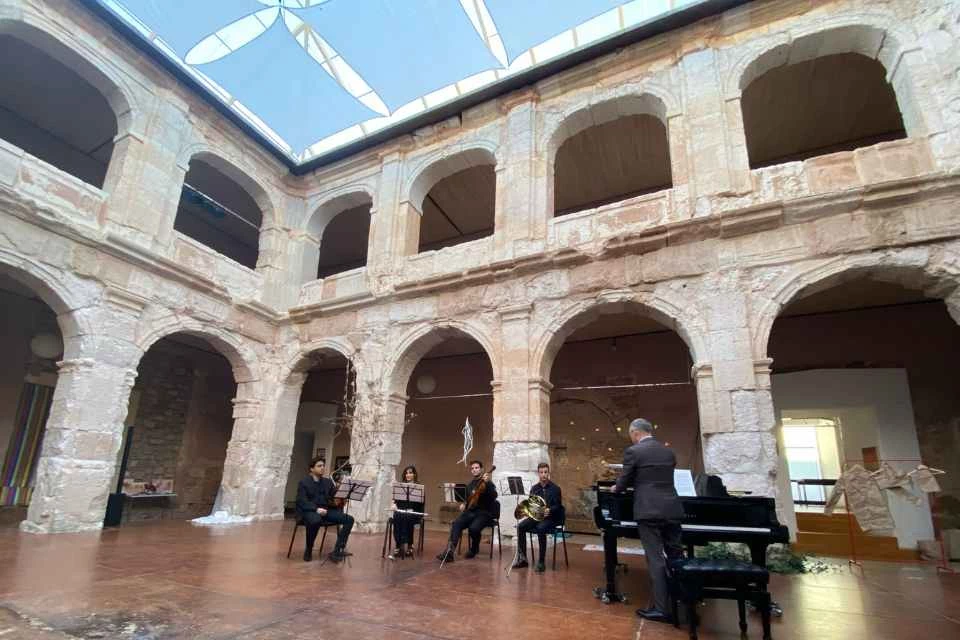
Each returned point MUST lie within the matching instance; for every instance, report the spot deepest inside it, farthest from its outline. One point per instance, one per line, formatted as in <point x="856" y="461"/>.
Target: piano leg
<point x="609" y="594"/>
<point x="758" y="556"/>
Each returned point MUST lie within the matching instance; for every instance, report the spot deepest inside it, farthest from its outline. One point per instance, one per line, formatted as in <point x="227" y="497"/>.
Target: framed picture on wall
<point x="341" y="467"/>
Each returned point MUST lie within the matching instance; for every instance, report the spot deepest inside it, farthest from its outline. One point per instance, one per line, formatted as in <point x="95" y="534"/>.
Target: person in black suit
<point x="475" y="518"/>
<point x="554" y="515"/>
<point x="648" y="468"/>
<point x="314" y="496"/>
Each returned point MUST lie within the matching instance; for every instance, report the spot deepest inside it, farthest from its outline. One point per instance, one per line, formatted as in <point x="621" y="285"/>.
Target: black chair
<point x="558" y="531"/>
<point x="493" y="526"/>
<point x="388" y="536"/>
<point x="299" y="523"/>
<point x="697" y="579"/>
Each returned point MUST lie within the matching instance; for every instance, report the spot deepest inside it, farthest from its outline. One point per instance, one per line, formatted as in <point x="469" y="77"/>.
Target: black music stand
<point x="351" y="489"/>
<point x="408" y="492"/>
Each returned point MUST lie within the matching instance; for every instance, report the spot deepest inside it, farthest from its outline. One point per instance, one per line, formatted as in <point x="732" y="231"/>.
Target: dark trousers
<point x="312" y="520"/>
<point x="660" y="540"/>
<point x="403" y="524"/>
<point x="525" y="526"/>
<point x="474" y="520"/>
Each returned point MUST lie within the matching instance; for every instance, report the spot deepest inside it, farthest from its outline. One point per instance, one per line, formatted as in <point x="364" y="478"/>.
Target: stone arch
<point x="27" y="26"/>
<point x="874" y="36"/>
<point x="242" y="359"/>
<point x="435" y="167"/>
<point x="418" y="342"/>
<point x="584" y="312"/>
<point x="63" y="297"/>
<point x="632" y="102"/>
<point x="300" y="362"/>
<point x="910" y="268"/>
<point x="335" y="201"/>
<point x="242" y="176"/>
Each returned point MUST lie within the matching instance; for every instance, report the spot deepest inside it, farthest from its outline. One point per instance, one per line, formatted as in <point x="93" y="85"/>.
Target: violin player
<point x="477" y="512"/>
<point x="553" y="516"/>
<point x="315" y="508"/>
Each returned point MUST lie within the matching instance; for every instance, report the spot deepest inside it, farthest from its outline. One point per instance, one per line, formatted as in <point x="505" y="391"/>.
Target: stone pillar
<point x="521" y="407"/>
<point x="517" y="220"/>
<point x="79" y="456"/>
<point x="145" y="180"/>
<point x="375" y="443"/>
<point x="704" y="114"/>
<point x="388" y="227"/>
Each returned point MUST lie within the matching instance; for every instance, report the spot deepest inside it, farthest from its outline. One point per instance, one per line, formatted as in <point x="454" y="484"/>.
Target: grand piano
<point x="749" y="520"/>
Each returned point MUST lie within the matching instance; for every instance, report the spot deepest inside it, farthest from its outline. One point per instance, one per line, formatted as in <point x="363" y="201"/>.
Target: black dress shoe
<point x="540" y="568"/>
<point x="446" y="556"/>
<point x="308" y="555"/>
<point x="654" y="615"/>
<point x="520" y="563"/>
<point x="335" y="557"/>
<point x="469" y="555"/>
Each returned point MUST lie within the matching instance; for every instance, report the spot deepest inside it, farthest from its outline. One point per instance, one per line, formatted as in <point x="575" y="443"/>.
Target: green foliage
<point x="780" y="558"/>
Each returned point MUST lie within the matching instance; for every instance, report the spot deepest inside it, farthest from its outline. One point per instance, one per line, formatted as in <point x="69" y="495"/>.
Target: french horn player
<point x="540" y="514"/>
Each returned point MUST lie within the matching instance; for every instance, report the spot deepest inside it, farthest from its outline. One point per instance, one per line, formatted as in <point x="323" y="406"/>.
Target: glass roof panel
<point x="291" y="92"/>
<point x="314" y="75"/>
<point x="403" y="49"/>
<point x="184" y="23"/>
<point x="523" y="25"/>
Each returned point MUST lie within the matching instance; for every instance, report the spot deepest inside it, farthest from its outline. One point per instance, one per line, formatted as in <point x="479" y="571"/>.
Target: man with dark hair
<point x="553" y="516"/>
<point x="314" y="500"/>
<point x="475" y="518"/>
<point x="648" y="468"/>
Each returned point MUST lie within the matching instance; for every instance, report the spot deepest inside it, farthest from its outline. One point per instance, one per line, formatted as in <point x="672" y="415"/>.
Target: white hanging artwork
<point x="467" y="442"/>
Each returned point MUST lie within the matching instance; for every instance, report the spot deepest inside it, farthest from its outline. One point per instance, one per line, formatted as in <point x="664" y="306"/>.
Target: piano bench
<point x="698" y="579"/>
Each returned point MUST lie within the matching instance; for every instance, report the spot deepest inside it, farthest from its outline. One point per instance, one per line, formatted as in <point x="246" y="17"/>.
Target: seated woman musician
<point x="553" y="515"/>
<point x="403" y="523"/>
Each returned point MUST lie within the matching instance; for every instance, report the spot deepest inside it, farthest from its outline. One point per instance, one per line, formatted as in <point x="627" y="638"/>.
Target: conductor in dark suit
<point x="648" y="468"/>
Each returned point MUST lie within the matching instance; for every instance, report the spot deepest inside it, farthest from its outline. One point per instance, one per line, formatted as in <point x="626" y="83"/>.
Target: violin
<point x="478" y="490"/>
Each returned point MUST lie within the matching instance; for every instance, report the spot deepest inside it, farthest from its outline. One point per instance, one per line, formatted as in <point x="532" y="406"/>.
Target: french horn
<point x="533" y="507"/>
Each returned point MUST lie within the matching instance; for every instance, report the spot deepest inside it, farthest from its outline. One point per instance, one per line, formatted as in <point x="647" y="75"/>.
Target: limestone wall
<point x="714" y="258"/>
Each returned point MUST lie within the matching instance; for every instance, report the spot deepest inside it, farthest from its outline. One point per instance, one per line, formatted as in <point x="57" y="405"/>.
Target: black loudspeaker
<point x="114" y="510"/>
<point x="115" y="500"/>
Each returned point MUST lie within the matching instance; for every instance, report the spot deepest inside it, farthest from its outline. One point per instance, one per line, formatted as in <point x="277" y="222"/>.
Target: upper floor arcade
<point x="781" y="108"/>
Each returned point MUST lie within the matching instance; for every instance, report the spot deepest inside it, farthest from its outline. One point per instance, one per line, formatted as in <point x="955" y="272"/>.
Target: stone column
<point x="521" y="406"/>
<point x="145" y="180"/>
<point x="517" y="218"/>
<point x="736" y="408"/>
<point x="704" y="114"/>
<point x="375" y="454"/>
<point x="79" y="456"/>
<point x="387" y="244"/>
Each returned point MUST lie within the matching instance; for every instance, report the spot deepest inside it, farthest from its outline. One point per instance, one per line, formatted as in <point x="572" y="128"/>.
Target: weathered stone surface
<point x="716" y="257"/>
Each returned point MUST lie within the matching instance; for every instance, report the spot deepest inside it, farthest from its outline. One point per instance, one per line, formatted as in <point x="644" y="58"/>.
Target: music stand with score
<point x="409" y="492"/>
<point x="351" y="489"/>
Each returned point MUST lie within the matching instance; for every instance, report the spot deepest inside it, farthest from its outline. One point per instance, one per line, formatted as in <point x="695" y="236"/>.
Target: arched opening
<point x="836" y="102"/>
<point x="446" y="377"/>
<point x="51" y="111"/>
<point x="217" y="212"/>
<point x="862" y="376"/>
<point x="343" y="245"/>
<point x="32" y="344"/>
<point x="325" y="415"/>
<point x="178" y="425"/>
<point x="615" y="363"/>
<point x="611" y="161"/>
<point x="459" y="208"/>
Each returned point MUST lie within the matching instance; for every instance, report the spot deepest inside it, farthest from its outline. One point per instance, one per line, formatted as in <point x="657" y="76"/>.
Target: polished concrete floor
<point x="174" y="580"/>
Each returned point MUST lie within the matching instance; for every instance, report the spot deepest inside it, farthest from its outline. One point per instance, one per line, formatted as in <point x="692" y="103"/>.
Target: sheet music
<point x="408" y="491"/>
<point x="683" y="482"/>
<point x="351" y="489"/>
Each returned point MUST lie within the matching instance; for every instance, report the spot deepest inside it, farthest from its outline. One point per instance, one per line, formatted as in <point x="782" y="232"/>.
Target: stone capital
<point x="702" y="370"/>
<point x="540" y="384"/>
<point x="527" y="95"/>
<point x="396" y="398"/>
<point x="125" y="301"/>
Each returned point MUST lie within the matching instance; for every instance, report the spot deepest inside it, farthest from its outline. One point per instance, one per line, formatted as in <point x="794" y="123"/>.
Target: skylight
<point x="314" y="75"/>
